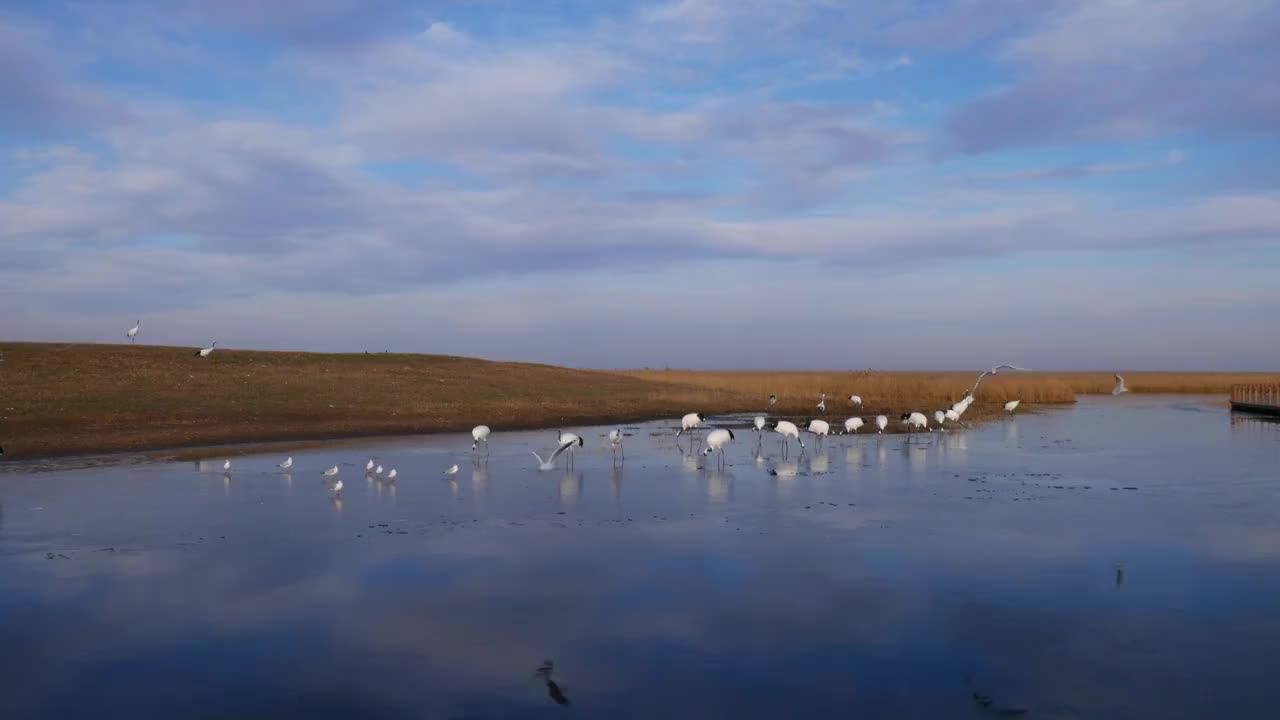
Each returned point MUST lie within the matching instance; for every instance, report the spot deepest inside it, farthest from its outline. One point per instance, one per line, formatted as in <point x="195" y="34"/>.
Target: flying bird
<point x="288" y="463"/>
<point x="133" y="331"/>
<point x="1119" y="388"/>
<point x="549" y="463"/>
<point x="993" y="371"/>
<point x="480" y="434"/>
<point x="206" y="352"/>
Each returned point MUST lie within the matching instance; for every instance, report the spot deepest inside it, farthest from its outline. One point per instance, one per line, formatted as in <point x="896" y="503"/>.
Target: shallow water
<point x="1118" y="559"/>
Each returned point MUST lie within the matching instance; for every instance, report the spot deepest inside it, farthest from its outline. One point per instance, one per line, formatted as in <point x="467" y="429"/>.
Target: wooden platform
<point x="1261" y="399"/>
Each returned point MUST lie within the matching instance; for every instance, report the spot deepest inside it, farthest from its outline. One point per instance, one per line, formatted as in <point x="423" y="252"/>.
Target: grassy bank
<point x="80" y="398"/>
<point x="65" y="399"/>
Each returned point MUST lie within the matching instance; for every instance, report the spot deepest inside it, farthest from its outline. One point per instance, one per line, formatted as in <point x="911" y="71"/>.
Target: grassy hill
<point x="63" y="399"/>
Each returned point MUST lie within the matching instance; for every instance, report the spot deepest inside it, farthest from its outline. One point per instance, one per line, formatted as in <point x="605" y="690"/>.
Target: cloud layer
<point x="480" y="168"/>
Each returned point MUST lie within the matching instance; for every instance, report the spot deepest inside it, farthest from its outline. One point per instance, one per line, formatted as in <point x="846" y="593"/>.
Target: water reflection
<point x="746" y="592"/>
<point x="555" y="691"/>
<point x="819" y="463"/>
<point x="853" y="456"/>
<point x="570" y="486"/>
<point x="719" y="485"/>
<point x="615" y="480"/>
<point x="480" y="476"/>
<point x="1251" y="421"/>
<point x="689" y="462"/>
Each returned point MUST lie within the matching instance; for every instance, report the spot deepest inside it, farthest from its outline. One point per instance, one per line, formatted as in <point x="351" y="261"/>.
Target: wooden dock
<point x="1263" y="399"/>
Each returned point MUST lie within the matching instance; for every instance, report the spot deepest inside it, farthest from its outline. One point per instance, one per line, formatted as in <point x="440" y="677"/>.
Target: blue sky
<point x="685" y="183"/>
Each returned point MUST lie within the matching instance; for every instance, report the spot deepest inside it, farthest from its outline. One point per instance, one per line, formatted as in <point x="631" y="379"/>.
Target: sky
<point x="896" y="184"/>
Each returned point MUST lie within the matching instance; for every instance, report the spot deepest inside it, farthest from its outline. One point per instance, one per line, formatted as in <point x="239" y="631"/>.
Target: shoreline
<point x="77" y="400"/>
<point x="258" y="446"/>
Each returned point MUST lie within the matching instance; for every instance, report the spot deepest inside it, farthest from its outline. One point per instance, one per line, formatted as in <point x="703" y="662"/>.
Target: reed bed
<point x="798" y="392"/>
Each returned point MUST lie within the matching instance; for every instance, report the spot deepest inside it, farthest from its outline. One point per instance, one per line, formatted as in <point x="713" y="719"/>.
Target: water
<point x="1113" y="560"/>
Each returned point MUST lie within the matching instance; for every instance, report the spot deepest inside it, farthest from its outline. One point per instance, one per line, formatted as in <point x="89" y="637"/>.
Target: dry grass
<point x="798" y="391"/>
<point x="898" y="391"/>
<point x="64" y="399"/>
<point x="1175" y="383"/>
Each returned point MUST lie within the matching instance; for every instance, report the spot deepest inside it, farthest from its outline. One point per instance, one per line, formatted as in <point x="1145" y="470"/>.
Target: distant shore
<point x="79" y="399"/>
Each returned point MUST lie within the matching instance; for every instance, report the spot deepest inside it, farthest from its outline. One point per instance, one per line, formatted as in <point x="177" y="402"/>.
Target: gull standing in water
<point x="331" y="471"/>
<point x="368" y="467"/>
<point x="451" y="470"/>
<point x="288" y="463"/>
<point x="226" y="465"/>
<point x="391" y="475"/>
<point x="1119" y="388"/>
